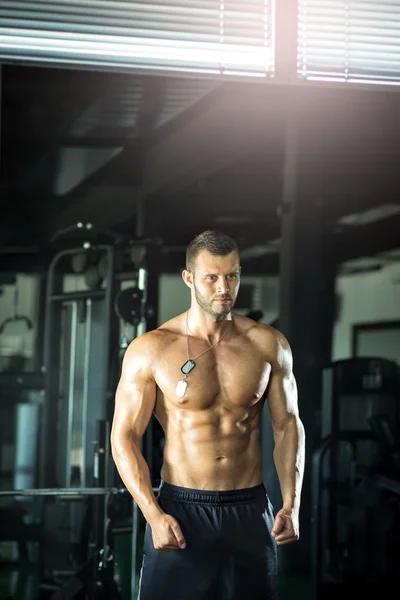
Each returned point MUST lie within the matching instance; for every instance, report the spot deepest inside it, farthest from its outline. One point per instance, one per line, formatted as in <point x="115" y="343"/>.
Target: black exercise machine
<point x="355" y="522"/>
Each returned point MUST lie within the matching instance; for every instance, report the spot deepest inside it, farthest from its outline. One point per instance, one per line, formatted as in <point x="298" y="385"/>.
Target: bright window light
<point x="355" y="41"/>
<point x="212" y="36"/>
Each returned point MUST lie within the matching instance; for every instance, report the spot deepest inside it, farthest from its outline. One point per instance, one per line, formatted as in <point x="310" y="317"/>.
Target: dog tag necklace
<point x="190" y="364"/>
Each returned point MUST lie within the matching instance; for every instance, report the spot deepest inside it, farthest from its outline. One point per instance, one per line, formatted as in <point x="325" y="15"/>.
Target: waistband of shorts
<point x="212" y="497"/>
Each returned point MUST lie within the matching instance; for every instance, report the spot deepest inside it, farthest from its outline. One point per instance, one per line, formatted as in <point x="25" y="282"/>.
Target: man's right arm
<point x="134" y="403"/>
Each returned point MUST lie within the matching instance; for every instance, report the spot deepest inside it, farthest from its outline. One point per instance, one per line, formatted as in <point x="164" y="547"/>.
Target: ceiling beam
<point x="221" y="134"/>
<point x="367" y="240"/>
<point x="56" y="99"/>
<point x="220" y="131"/>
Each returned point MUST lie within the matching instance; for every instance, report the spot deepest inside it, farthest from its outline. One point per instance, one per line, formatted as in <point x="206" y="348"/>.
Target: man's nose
<point x="223" y="285"/>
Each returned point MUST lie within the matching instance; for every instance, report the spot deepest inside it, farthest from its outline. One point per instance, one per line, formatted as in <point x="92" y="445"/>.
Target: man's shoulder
<point x="271" y="333"/>
<point x="265" y="337"/>
<point x="259" y="330"/>
<point x="156" y="339"/>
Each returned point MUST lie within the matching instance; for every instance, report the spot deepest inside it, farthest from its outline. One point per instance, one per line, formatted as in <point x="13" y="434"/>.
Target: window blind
<point x="349" y="40"/>
<point x="213" y="36"/>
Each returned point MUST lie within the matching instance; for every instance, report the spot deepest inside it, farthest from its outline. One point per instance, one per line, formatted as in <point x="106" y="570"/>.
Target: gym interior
<point x="126" y="129"/>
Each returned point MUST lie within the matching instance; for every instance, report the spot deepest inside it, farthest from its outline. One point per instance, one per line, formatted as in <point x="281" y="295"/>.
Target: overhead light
<point x="272" y="247"/>
<point x="364" y="264"/>
<point x="369" y="216"/>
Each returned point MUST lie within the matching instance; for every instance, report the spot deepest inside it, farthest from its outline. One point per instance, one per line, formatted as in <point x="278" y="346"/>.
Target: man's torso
<point x="212" y="432"/>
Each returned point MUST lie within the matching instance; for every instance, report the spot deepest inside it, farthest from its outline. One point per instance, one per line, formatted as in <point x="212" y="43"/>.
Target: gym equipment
<point x="96" y="575"/>
<point x="64" y="493"/>
<point x="87" y="311"/>
<point x="20" y="399"/>
<point x="94" y="572"/>
<point x="350" y="470"/>
<point x="16" y="317"/>
<point x="356" y="388"/>
<point x="389" y="445"/>
<point x="128" y="305"/>
<point x="353" y="549"/>
<point x="353" y="390"/>
<point x="79" y="262"/>
<point x="76" y="366"/>
<point x="92" y="277"/>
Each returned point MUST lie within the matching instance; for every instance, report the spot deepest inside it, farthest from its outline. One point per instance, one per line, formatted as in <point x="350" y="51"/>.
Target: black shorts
<point x="229" y="555"/>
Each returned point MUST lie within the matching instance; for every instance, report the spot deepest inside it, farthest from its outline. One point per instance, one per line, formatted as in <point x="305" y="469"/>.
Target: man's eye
<point x="233" y="276"/>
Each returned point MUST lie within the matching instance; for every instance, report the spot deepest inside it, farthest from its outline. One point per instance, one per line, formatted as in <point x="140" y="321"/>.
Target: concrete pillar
<point x="306" y="299"/>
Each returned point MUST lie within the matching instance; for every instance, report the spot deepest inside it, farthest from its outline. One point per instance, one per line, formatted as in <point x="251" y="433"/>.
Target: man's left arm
<point x="289" y="438"/>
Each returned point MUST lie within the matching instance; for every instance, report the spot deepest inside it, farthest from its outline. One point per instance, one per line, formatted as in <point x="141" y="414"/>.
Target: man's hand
<point x="167" y="534"/>
<point x="286" y="527"/>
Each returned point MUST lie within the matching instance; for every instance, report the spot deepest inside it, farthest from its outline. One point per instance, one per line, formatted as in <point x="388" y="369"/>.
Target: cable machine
<point x="360" y="425"/>
<point x="97" y="301"/>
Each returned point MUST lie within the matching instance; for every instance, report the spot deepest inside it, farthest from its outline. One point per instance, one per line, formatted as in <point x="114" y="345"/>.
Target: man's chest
<point x="235" y="374"/>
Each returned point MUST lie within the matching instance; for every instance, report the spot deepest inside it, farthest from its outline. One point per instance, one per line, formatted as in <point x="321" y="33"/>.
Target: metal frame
<point x="100" y="529"/>
<point x="324" y="471"/>
<point x="319" y="484"/>
<point x="54" y="298"/>
<point x="100" y="532"/>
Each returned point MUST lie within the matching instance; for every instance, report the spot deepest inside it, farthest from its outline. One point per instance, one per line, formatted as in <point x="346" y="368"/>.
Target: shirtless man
<point x="211" y="532"/>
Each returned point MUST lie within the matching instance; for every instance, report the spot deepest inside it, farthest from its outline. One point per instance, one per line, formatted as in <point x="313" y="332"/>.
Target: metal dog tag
<point x="188" y="366"/>
<point x="181" y="388"/>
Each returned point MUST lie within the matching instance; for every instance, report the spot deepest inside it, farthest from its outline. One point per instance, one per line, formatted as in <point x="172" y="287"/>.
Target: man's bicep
<point x="135" y="397"/>
<point x="282" y="394"/>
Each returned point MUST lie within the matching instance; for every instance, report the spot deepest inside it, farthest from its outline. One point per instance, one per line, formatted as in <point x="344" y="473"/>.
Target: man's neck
<point x="206" y="326"/>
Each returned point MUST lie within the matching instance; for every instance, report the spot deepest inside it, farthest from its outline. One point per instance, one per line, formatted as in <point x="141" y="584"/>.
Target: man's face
<point x="216" y="281"/>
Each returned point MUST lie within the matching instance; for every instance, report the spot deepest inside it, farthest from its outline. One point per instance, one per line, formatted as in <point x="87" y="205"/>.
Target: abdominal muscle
<point x="208" y="450"/>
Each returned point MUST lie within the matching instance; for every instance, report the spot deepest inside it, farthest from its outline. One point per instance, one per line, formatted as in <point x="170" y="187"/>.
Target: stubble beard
<point x="207" y="306"/>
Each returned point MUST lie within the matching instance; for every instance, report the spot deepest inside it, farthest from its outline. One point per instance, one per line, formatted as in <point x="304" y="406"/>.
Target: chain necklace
<point x="190" y="364"/>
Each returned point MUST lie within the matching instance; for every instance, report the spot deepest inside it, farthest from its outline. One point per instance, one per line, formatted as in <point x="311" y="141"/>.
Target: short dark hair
<point x="215" y="242"/>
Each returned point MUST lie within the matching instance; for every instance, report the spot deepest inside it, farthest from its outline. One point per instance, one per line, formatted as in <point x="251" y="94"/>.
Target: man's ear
<point x="187" y="277"/>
